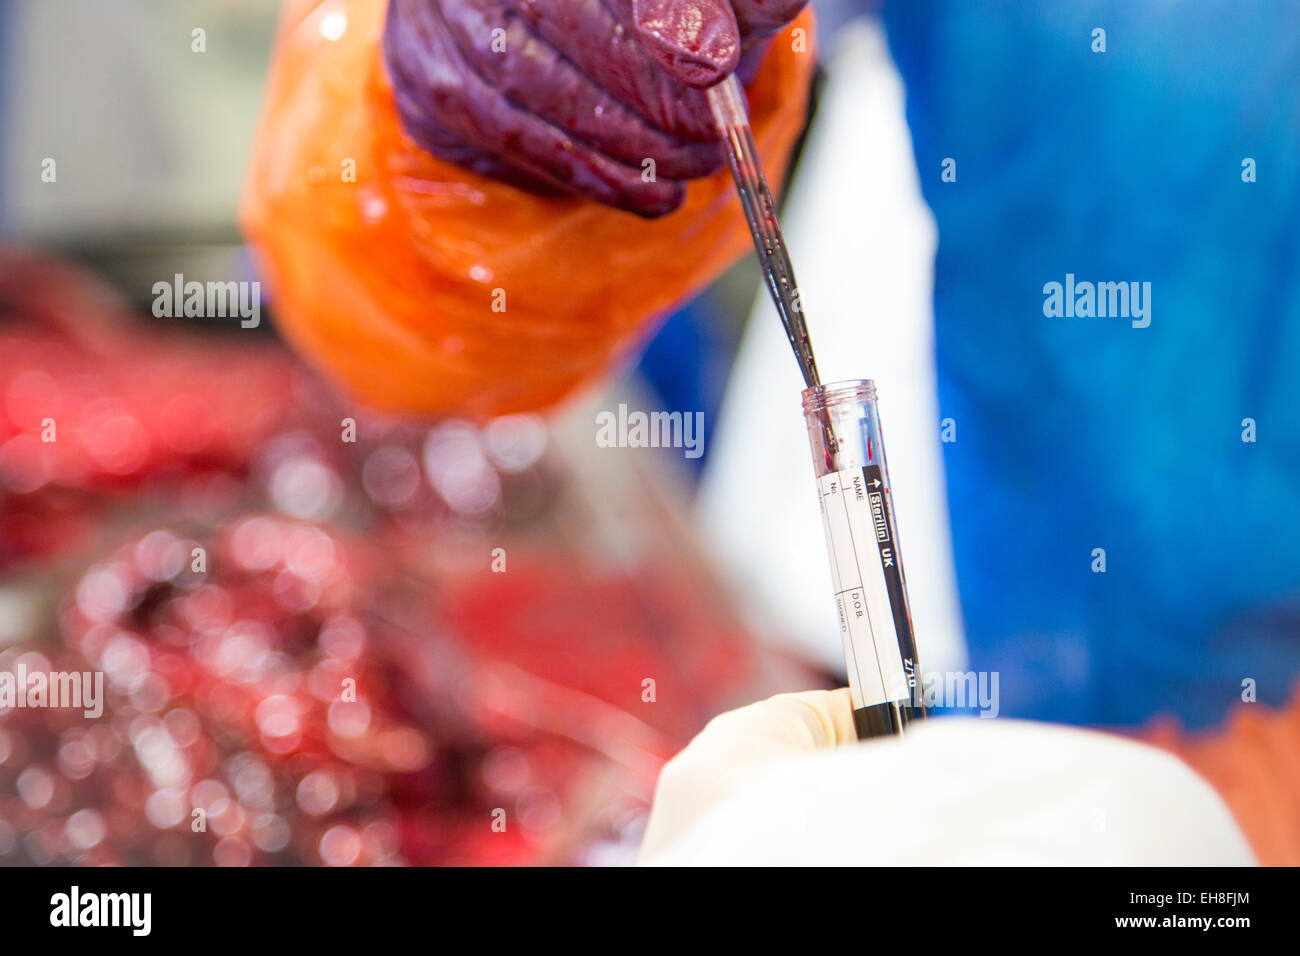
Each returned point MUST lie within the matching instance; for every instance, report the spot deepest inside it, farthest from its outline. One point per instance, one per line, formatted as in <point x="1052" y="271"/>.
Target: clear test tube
<point x="866" y="567"/>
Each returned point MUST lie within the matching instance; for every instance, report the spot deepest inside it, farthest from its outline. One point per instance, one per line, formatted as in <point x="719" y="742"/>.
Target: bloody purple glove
<point x="575" y="95"/>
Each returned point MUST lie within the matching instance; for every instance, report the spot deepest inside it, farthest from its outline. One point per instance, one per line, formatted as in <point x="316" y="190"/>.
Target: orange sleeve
<point x="424" y="288"/>
<point x="1253" y="760"/>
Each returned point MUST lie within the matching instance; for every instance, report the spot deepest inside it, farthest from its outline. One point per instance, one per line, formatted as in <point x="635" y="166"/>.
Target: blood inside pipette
<point x="760" y="211"/>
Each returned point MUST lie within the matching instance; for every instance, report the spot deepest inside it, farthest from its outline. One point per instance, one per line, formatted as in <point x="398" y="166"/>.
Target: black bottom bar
<point x="883" y="720"/>
<point x="316" y="910"/>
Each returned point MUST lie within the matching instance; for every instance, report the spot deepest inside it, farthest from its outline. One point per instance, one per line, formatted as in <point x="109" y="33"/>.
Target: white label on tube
<point x="857" y="530"/>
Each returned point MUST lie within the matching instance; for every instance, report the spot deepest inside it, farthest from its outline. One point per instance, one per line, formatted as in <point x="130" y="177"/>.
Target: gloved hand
<point x="584" y="92"/>
<point x="781" y="782"/>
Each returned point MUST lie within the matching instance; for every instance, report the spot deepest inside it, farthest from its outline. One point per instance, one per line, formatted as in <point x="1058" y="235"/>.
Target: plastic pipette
<point x="849" y="462"/>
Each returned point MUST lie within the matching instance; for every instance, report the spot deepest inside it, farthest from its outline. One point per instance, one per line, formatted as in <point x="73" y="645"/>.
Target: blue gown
<point x="1082" y="433"/>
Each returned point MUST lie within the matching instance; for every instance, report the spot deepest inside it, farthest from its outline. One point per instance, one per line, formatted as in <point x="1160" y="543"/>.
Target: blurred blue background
<point x="1086" y="433"/>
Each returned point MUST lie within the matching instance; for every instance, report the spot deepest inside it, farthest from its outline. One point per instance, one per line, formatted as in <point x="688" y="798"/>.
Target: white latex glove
<point x="771" y="784"/>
